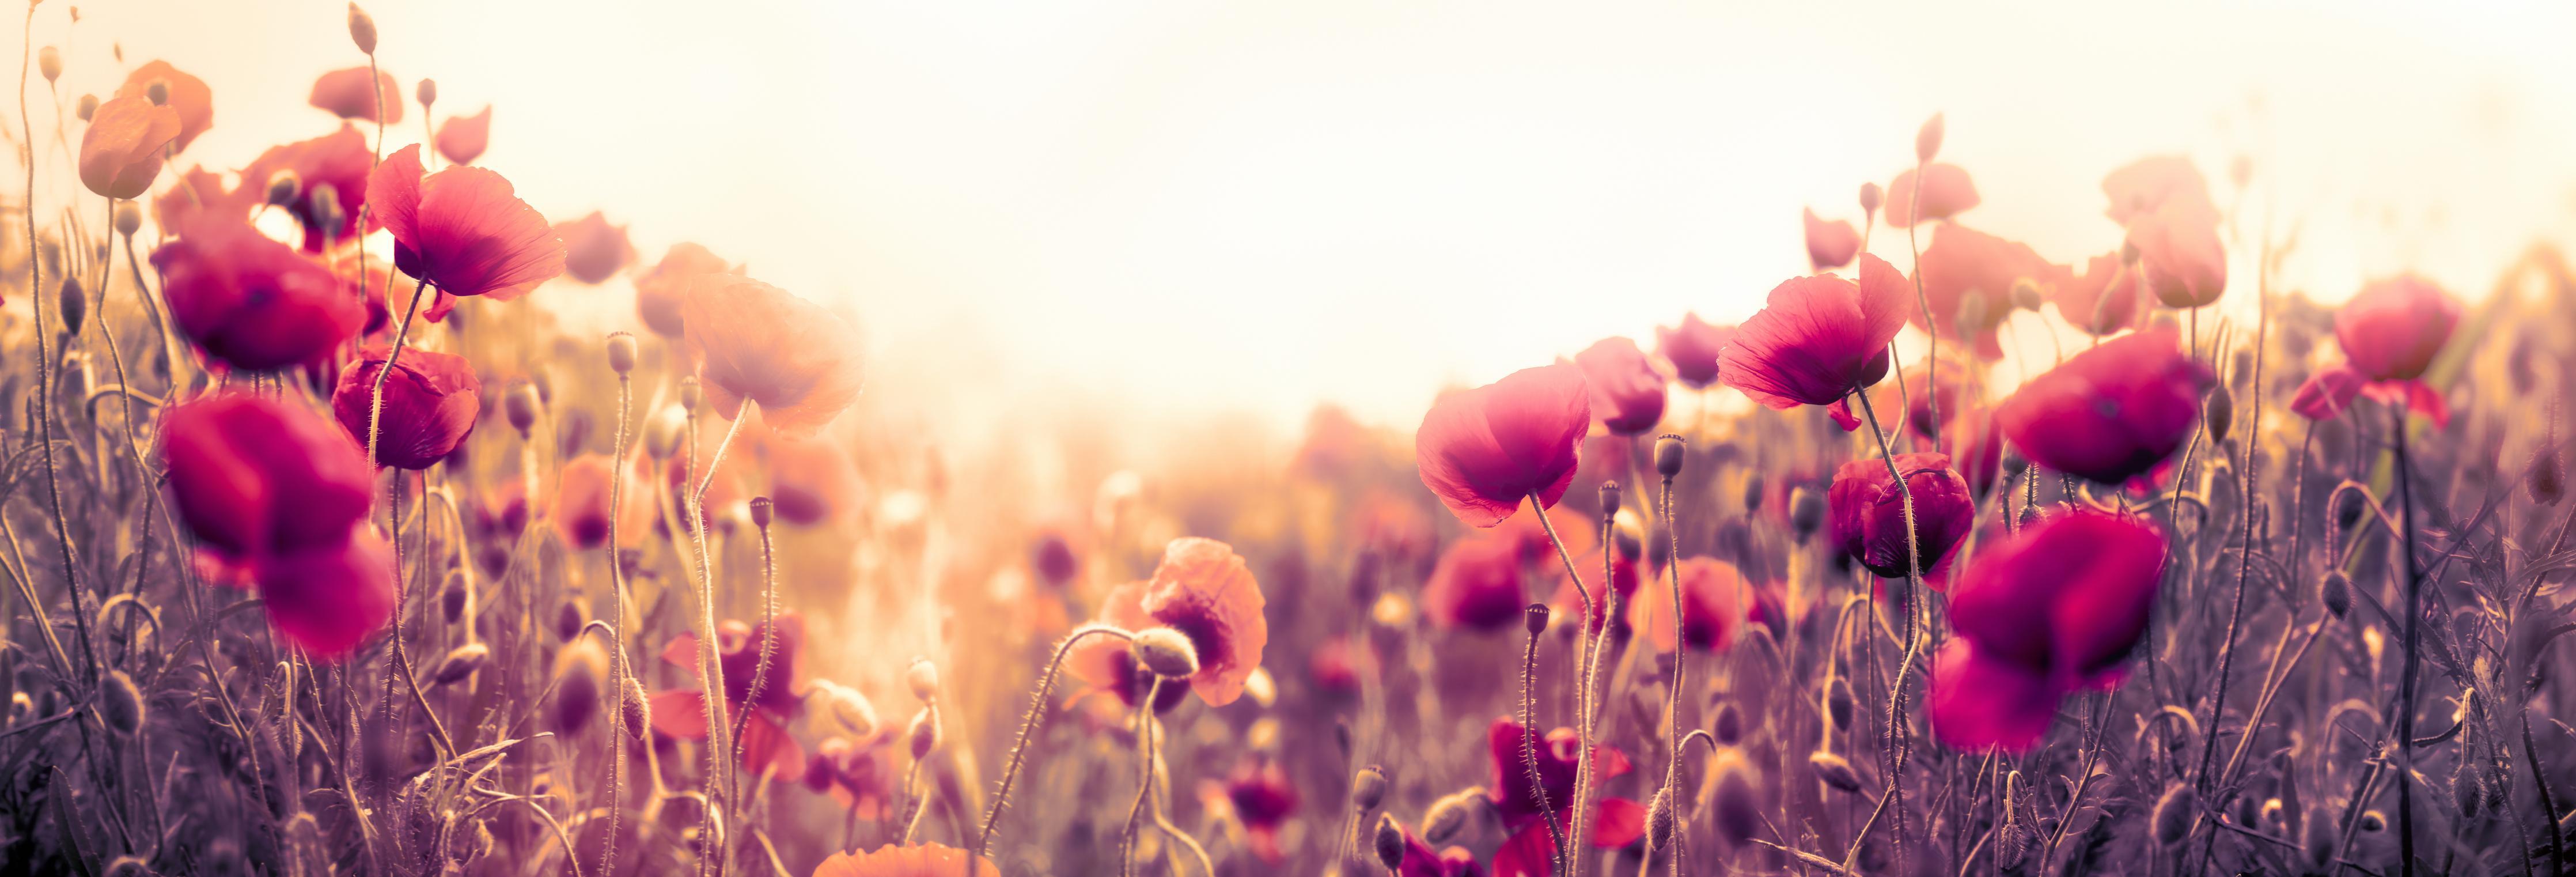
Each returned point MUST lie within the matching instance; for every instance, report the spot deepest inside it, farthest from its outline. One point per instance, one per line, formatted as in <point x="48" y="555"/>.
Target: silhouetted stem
<point x="2414" y="659"/>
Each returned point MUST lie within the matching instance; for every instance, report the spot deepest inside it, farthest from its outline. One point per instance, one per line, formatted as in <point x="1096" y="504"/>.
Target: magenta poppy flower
<point x="1568" y="602"/>
<point x="2393" y="328"/>
<point x="1962" y="264"/>
<point x="1692" y="349"/>
<point x="1627" y="391"/>
<point x="339" y="160"/>
<point x="431" y="402"/>
<point x="1959" y="390"/>
<point x="2048" y="610"/>
<point x="1978" y="700"/>
<point x="766" y="747"/>
<point x="1204" y="590"/>
<point x="1477" y="585"/>
<point x="1947" y="192"/>
<point x="1830" y="244"/>
<point x="2328" y="392"/>
<point x="462" y="139"/>
<point x="253" y="476"/>
<point x="1616" y="822"/>
<point x="593" y="249"/>
<point x="251" y="302"/>
<point x="2109" y="413"/>
<point x="463" y="229"/>
<point x="2145" y="186"/>
<point x="1485" y="450"/>
<point x="329" y="597"/>
<point x="2180" y="253"/>
<point x="1868" y="513"/>
<point x="1263" y="799"/>
<point x="1818" y="337"/>
<point x="345" y="93"/>
<point x="2104" y="300"/>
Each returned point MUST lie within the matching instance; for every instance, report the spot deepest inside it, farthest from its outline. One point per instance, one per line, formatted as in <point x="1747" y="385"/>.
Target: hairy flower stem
<point x="2244" y="567"/>
<point x="1897" y="735"/>
<point x="2406" y="684"/>
<point x="768" y="647"/>
<point x="1582" y="679"/>
<point x="1681" y="657"/>
<point x="710" y="669"/>
<point x="375" y="431"/>
<point x="1590" y="717"/>
<point x="1932" y="343"/>
<point x="1028" y="728"/>
<point x="1144" y="778"/>
<point x="45" y="372"/>
<point x="617" y="668"/>
<point x="1529" y="751"/>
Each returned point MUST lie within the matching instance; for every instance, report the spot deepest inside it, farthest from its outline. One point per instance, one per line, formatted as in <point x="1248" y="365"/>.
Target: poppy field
<point x="334" y="545"/>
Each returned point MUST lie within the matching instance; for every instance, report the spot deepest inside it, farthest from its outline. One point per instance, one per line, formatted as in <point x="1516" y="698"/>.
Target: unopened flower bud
<point x="1659" y="819"/>
<point x="1368" y="787"/>
<point x="49" y="61"/>
<point x="1838" y="703"/>
<point x="362" y="29"/>
<point x="569" y="619"/>
<point x="120" y="703"/>
<point x="637" y="707"/>
<point x="1668" y="455"/>
<point x="2174" y="814"/>
<point x="87" y="107"/>
<point x="923" y="678"/>
<point x="427" y="93"/>
<point x="520" y="406"/>
<point x="461" y="662"/>
<point x="283" y="188"/>
<point x="2548" y="482"/>
<point x="1834" y="770"/>
<point x="1166" y="652"/>
<point x="1755" y="487"/>
<point x="924" y="735"/>
<point x="2219" y="413"/>
<point x="1869" y="199"/>
<point x="845" y="707"/>
<point x="761" y="511"/>
<point x="1728" y="728"/>
<point x="621" y="352"/>
<point x="75" y="304"/>
<point x="1806" y="512"/>
<point x="158" y="93"/>
<point x="1737" y="808"/>
<point x="1534" y="618"/>
<point x="2336" y="593"/>
<point x="129" y="218"/>
<point x="452" y="597"/>
<point x="1389" y="842"/>
<point x="662" y="434"/>
<point x="1448" y="816"/>
<point x="581" y="677"/>
<point x="1927" y="139"/>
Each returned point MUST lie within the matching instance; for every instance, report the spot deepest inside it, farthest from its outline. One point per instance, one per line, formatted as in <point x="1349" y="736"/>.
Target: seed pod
<point x="362" y="29"/>
<point x="1166" y="652"/>
<point x="762" y="511"/>
<point x="461" y="662"/>
<point x="1927" y="139"/>
<point x="426" y="92"/>
<point x="325" y="206"/>
<point x="639" y="710"/>
<point x="569" y="619"/>
<point x="1869" y="199"/>
<point x="520" y="406"/>
<point x="2219" y="413"/>
<point x="49" y="62"/>
<point x="75" y="303"/>
<point x="2548" y="482"/>
<point x="691" y="395"/>
<point x="1806" y="512"/>
<point x="1668" y="455"/>
<point x="87" y="107"/>
<point x="1729" y="726"/>
<point x="1754" y="487"/>
<point x="1834" y="770"/>
<point x="844" y="707"/>
<point x="1609" y="498"/>
<point x="924" y="734"/>
<point x="1838" y="703"/>
<point x="2336" y="593"/>
<point x="923" y="678"/>
<point x="662" y="434"/>
<point x="120" y="704"/>
<point x="621" y="352"/>
<point x="1448" y="816"/>
<point x="1534" y="618"/>
<point x="284" y="188"/>
<point x="1368" y="787"/>
<point x="2373" y="821"/>
<point x="1389" y="842"/>
<point x="2174" y="813"/>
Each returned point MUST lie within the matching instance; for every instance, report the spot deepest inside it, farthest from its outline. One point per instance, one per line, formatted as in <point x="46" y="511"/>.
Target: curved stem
<point x="1931" y="336"/>
<point x="1029" y="727"/>
<point x="1896" y="730"/>
<point x="711" y="670"/>
<point x="768" y="646"/>
<point x="1681" y="657"/>
<point x="1145" y="775"/>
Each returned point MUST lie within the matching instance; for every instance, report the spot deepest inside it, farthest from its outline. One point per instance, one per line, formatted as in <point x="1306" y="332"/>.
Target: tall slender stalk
<point x="1896" y="730"/>
<point x="1028" y="728"/>
<point x="710" y="669"/>
<point x="2406" y="685"/>
<point x="1582" y="677"/>
<point x="1529" y="749"/>
<point x="617" y="668"/>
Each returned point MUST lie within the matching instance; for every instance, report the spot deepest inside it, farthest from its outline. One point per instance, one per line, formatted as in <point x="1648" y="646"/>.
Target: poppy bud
<point x="158" y="93"/>
<point x="1729" y="726"/>
<point x="2219" y="413"/>
<point x="520" y="406"/>
<point x="120" y="704"/>
<point x="923" y="678"/>
<point x="1754" y="488"/>
<point x="2548" y="483"/>
<point x="569" y="619"/>
<point x="1806" y="512"/>
<point x="2348" y="509"/>
<point x="2174" y="813"/>
<point x="2464" y="790"/>
<point x="2025" y="295"/>
<point x="638" y="711"/>
<point x="1869" y="199"/>
<point x="1838" y="703"/>
<point x="427" y="93"/>
<point x="362" y="29"/>
<point x="1368" y="787"/>
<point x="461" y="662"/>
<point x="128" y="218"/>
<point x="1609" y="498"/>
<point x="284" y="188"/>
<point x="1534" y="618"/>
<point x="1738" y="810"/>
<point x="1166" y="652"/>
<point x="2336" y="592"/>
<point x="1659" y="819"/>
<point x="2319" y="841"/>
<point x="50" y="63"/>
<point x="75" y="304"/>
<point x="452" y="596"/>
<point x="1448" y="816"/>
<point x="1668" y="455"/>
<point x="325" y="206"/>
<point x="924" y="734"/>
<point x="1834" y="770"/>
<point x="691" y="394"/>
<point x="621" y="352"/>
<point x="579" y="671"/>
<point x="846" y="707"/>
<point x="1927" y="139"/>
<point x="761" y="511"/>
<point x="1390" y="842"/>
<point x="87" y="107"/>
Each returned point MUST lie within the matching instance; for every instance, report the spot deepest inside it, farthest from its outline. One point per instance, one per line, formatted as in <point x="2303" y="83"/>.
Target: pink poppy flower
<point x="1716" y="599"/>
<point x="1818" y="337"/>
<point x="463" y="228"/>
<point x="188" y="95"/>
<point x="1568" y="603"/>
<point x="1627" y="392"/>
<point x="1486" y="450"/>
<point x="1868" y="513"/>
<point x="1204" y="590"/>
<point x="340" y="160"/>
<point x="2394" y="328"/>
<point x="1263" y="800"/>
<point x="1830" y="244"/>
<point x="1961" y="264"/>
<point x="757" y="342"/>
<point x="1960" y="391"/>
<point x="2104" y="300"/>
<point x="462" y="139"/>
<point x="581" y="498"/>
<point x="431" y="403"/>
<point x="2068" y="596"/>
<point x="253" y="476"/>
<point x="1977" y="446"/>
<point x="1579" y="531"/>
<point x="594" y="250"/>
<point x="2180" y="253"/>
<point x="329" y="597"/>
<point x="918" y="860"/>
<point x="765" y="745"/>
<point x="251" y="302"/>
<point x="1616" y="822"/>
<point x="1947" y="192"/>
<point x="1692" y="349"/>
<point x="2145" y="186"/>
<point x="1477" y="586"/>
<point x="345" y="93"/>
<point x="2327" y="393"/>
<point x="811" y="481"/>
<point x="659" y="291"/>
<point x="120" y="153"/>
<point x="2109" y="413"/>
<point x="1978" y="700"/>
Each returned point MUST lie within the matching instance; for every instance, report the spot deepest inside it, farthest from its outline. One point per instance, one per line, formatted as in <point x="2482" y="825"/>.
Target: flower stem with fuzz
<point x="616" y="619"/>
<point x="1145" y="775"/>
<point x="1537" y="614"/>
<point x="1582" y="676"/>
<point x="1590" y="713"/>
<point x="711" y="670"/>
<point x="1681" y="653"/>
<point x="45" y="371"/>
<point x="1028" y="728"/>
<point x="1896" y="732"/>
<point x="768" y="634"/>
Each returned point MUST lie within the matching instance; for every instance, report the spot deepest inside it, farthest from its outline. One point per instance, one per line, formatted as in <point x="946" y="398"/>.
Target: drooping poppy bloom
<point x="1567" y="602"/>
<point x="756" y="342"/>
<point x="1830" y="244"/>
<point x="1263" y="799"/>
<point x="1476" y="586"/>
<point x="463" y="229"/>
<point x="2109" y="413"/>
<point x="339" y="160"/>
<point x="1202" y="589"/>
<point x="121" y="153"/>
<point x="2183" y="260"/>
<point x="462" y="139"/>
<point x="1484" y="451"/>
<point x="188" y="95"/>
<point x="329" y="597"/>
<point x="1692" y="349"/>
<point x="659" y="291"/>
<point x="765" y="745"/>
<point x="1947" y="192"/>
<point x="253" y="476"/>
<point x="593" y="249"/>
<point x="2051" y="609"/>
<point x="251" y="302"/>
<point x="2327" y="393"/>
<point x="1968" y="275"/>
<point x="581" y="497"/>
<point x="1715" y="602"/>
<point x="1868" y="513"/>
<point x="1616" y="822"/>
<point x="431" y="402"/>
<point x="345" y="93"/>
<point x="2104" y="299"/>
<point x="1818" y="337"/>
<point x="1627" y="391"/>
<point x="918" y="860"/>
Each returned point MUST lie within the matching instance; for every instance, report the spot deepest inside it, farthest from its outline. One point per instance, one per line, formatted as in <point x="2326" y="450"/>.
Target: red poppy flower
<point x="1830" y="244"/>
<point x="2065" y="598"/>
<point x="1263" y="800"/>
<point x="327" y="598"/>
<point x="1692" y="350"/>
<point x="251" y="302"/>
<point x="1976" y="446"/>
<point x="658" y="292"/>
<point x="1715" y="602"/>
<point x="2145" y="186"/>
<point x="1204" y="590"/>
<point x="340" y="160"/>
<point x="183" y="93"/>
<point x="2109" y="413"/>
<point x="1336" y="666"/>
<point x="431" y="402"/>
<point x="1579" y="532"/>
<point x="1484" y="451"/>
<point x="2179" y="250"/>
<point x="462" y="139"/>
<point x="765" y="744"/>
<point x="1947" y="192"/>
<point x="2104" y="300"/>
<point x="192" y="193"/>
<point x="344" y="93"/>
<point x="856" y="774"/>
<point x="121" y="153"/>
<point x="2393" y="328"/>
<point x="919" y="860"/>
<point x="811" y="481"/>
<point x="463" y="229"/>
<point x="1568" y="603"/>
<point x="1616" y="822"/>
<point x="1477" y="585"/>
<point x="753" y="341"/>
<point x="2327" y="393"/>
<point x="1961" y="264"/>
<point x="254" y="476"/>
<point x="581" y="502"/>
<point x="1868" y="513"/>
<point x="1978" y="700"/>
<point x="1818" y="337"/>
<point x="1627" y="392"/>
<point x="594" y="250"/>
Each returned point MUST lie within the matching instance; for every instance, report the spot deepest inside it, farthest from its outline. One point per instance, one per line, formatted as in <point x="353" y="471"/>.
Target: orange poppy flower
<point x="658" y="291"/>
<point x="765" y="744"/>
<point x="344" y="94"/>
<point x="581" y="503"/>
<point x="593" y="249"/>
<point x="1202" y="589"/>
<point x="462" y="139"/>
<point x="463" y="228"/>
<point x="753" y="341"/>
<point x="188" y="95"/>
<point x="120" y="154"/>
<point x="921" y="860"/>
<point x="1714" y="596"/>
<point x="195" y="191"/>
<point x="811" y="481"/>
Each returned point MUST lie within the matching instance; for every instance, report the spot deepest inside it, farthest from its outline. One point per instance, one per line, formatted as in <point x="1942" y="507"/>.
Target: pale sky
<point x="1194" y="206"/>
